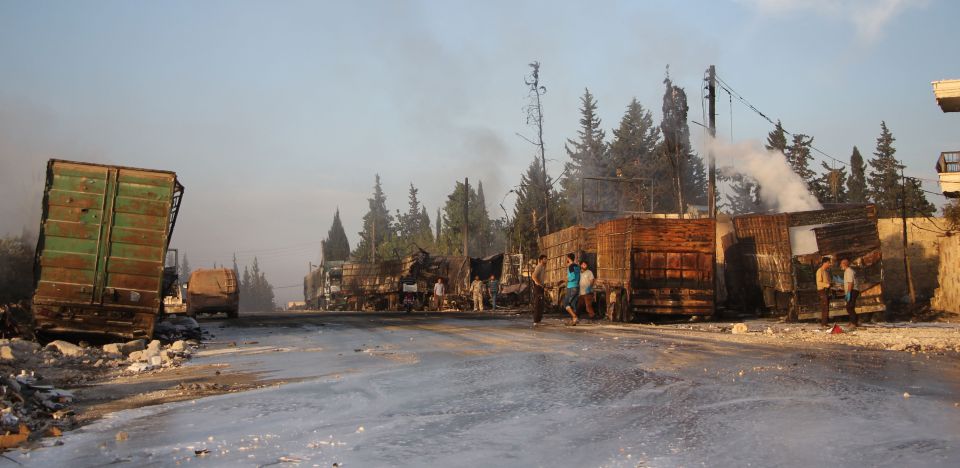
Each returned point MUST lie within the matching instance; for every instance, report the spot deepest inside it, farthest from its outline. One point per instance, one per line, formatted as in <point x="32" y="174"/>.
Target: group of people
<point x="478" y="290"/>
<point x="851" y="290"/>
<point x="580" y="281"/>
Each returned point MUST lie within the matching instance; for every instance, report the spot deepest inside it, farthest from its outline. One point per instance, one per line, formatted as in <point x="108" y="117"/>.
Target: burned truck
<point x="644" y="265"/>
<point x="100" y="255"/>
<point x="211" y="291"/>
<point x="781" y="254"/>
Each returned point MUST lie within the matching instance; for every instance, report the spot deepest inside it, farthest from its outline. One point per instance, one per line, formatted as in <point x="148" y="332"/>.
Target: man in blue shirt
<point x="493" y="287"/>
<point x="573" y="288"/>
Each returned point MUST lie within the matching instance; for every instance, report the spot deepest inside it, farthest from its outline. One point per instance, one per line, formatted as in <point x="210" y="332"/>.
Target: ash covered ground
<point x="362" y="389"/>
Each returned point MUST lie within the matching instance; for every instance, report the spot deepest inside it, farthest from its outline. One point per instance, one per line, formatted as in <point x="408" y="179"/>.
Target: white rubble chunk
<point x="66" y="349"/>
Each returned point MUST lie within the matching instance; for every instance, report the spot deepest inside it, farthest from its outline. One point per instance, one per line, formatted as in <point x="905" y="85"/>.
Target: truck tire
<point x="232" y="314"/>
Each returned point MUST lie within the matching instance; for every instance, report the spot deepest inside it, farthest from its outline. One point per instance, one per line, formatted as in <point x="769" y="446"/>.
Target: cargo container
<point x="781" y="253"/>
<point x="100" y="256"/>
<point x="211" y="291"/>
<point x="656" y="265"/>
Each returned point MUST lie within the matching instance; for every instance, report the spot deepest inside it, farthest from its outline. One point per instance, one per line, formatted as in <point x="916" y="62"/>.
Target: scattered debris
<point x="906" y="395"/>
<point x="740" y="329"/>
<point x="122" y="436"/>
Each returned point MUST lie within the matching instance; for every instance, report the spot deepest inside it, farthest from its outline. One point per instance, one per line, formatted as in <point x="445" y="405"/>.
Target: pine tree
<point x="688" y="175"/>
<point x="336" y="247"/>
<point x="633" y="154"/>
<point x="588" y="154"/>
<point x="857" y="183"/>
<point x="799" y="157"/>
<point x="777" y="139"/>
<point x="236" y="270"/>
<point x="528" y="223"/>
<point x="378" y="225"/>
<point x="436" y="234"/>
<point x="883" y="181"/>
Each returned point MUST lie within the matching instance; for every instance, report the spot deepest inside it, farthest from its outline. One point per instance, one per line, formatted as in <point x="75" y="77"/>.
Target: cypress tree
<point x="857" y="183"/>
<point x="528" y="223"/>
<point x="336" y="247"/>
<point x="688" y="174"/>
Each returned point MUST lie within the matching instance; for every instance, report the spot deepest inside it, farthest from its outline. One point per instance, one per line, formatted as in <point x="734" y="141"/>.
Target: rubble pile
<point x="31" y="408"/>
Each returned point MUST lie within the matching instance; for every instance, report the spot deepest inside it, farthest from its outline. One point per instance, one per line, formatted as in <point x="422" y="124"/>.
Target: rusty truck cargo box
<point x="103" y="239"/>
<point x="784" y="280"/>
<point x="213" y="290"/>
<point x="657" y="265"/>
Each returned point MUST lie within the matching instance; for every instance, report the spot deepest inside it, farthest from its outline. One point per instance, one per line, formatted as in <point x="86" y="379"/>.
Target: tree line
<point x="670" y="178"/>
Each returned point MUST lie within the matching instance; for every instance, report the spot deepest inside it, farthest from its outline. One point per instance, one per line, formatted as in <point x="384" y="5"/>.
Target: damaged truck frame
<point x="104" y="235"/>
<point x="781" y="253"/>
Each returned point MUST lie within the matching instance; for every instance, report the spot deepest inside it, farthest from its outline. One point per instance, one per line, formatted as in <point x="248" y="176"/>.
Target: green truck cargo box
<point x="103" y="240"/>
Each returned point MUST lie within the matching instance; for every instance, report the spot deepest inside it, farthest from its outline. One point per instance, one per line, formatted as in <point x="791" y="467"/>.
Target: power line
<point x="729" y="89"/>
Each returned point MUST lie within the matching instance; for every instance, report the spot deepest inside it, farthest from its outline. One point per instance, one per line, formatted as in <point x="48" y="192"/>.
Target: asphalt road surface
<point x="391" y="389"/>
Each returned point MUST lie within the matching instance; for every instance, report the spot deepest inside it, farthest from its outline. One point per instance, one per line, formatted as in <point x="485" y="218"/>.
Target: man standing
<point x="438" y="291"/>
<point x="493" y="286"/>
<point x="851" y="290"/>
<point x="586" y="288"/>
<point x="476" y="289"/>
<point x="823" y="290"/>
<point x="573" y="289"/>
<point x="538" y="276"/>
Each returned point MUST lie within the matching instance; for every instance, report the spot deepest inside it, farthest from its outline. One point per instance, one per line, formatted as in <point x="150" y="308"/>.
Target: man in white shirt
<point x="586" y="288"/>
<point x="851" y="290"/>
<point x="439" y="289"/>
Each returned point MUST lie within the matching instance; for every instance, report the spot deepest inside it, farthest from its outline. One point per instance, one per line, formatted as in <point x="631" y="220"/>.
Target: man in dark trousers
<point x="538" y="277"/>
<point x="823" y="290"/>
<point x="851" y="290"/>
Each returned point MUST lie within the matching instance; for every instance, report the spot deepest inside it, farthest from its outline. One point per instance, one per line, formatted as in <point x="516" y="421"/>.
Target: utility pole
<point x="466" y="216"/>
<point x="906" y="258"/>
<point x="712" y="181"/>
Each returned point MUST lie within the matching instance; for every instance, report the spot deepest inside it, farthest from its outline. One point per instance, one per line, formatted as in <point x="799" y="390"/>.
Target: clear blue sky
<point x="275" y="113"/>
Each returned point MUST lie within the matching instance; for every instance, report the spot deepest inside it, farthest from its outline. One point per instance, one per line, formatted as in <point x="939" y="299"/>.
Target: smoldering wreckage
<point x="101" y="274"/>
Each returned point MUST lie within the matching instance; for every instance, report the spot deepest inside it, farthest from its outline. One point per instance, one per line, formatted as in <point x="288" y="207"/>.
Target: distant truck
<point x="213" y="290"/>
<point x="104" y="234"/>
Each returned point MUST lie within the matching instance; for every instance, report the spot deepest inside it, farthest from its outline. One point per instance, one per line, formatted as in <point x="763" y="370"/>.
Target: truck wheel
<point x="232" y="314"/>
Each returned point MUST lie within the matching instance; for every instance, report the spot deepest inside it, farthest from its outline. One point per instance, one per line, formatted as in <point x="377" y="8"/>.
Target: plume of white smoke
<point x="781" y="189"/>
<point x="870" y="17"/>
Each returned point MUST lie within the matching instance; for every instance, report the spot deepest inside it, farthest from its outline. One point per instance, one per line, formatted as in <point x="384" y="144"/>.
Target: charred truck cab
<point x="100" y="255"/>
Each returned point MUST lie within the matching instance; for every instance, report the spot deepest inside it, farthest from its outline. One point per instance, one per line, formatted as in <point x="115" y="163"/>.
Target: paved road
<point x="463" y="390"/>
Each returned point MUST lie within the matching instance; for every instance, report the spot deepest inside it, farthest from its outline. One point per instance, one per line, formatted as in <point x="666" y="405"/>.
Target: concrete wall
<point x="947" y="296"/>
<point x="924" y="236"/>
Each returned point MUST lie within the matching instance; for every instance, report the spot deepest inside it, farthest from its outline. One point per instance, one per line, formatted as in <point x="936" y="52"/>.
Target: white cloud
<point x="868" y="16"/>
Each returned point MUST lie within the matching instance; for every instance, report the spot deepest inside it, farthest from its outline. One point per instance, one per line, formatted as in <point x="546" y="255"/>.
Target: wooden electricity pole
<point x="712" y="181"/>
<point x="466" y="216"/>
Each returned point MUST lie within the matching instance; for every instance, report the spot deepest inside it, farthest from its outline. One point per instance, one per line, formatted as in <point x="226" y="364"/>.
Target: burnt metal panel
<point x="103" y="238"/>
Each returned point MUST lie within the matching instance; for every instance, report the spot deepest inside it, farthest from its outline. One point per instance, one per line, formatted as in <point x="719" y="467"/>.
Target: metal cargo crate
<point x="651" y="265"/>
<point x="100" y="255"/>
